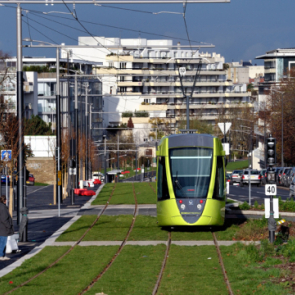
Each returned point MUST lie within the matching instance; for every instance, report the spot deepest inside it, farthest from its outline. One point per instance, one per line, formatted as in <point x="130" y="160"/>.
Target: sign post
<point x="271" y="188"/>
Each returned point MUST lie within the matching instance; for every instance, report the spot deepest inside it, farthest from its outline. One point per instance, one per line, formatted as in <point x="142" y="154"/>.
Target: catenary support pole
<point x="76" y="132"/>
<point x="58" y="136"/>
<point x="20" y="107"/>
<point x="86" y="131"/>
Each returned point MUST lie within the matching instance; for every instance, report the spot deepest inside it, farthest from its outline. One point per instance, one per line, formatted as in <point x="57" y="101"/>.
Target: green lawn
<point x="144" y="193"/>
<point x="30" y="268"/>
<point x="135" y="271"/>
<point x="73" y="273"/>
<point x="192" y="270"/>
<point x="146" y="229"/>
<point x="123" y="194"/>
<point x="108" y="228"/>
<point x="248" y="276"/>
<point x="104" y="194"/>
<point x="239" y="165"/>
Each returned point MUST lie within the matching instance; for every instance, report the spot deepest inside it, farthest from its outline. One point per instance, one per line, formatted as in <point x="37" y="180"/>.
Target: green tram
<point x="191" y="187"/>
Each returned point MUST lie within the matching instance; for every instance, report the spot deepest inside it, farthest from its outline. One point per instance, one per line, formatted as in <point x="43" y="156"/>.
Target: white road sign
<point x="224" y="127"/>
<point x="270" y="189"/>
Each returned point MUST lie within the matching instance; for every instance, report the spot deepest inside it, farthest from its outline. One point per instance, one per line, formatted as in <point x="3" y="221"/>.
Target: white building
<point x="142" y="75"/>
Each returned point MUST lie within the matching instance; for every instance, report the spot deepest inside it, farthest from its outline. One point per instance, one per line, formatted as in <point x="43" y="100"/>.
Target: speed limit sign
<point x="270" y="189"/>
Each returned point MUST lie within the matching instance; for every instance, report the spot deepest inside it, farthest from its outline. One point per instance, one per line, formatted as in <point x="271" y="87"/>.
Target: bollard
<point x="23" y="228"/>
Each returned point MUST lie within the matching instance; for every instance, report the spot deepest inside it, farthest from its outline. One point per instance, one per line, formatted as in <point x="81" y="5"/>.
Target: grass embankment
<point x="114" y="228"/>
<point x="123" y="194"/>
<point x="239" y="165"/>
<point x="284" y="206"/>
<point x="41" y="184"/>
<point x="263" y="270"/>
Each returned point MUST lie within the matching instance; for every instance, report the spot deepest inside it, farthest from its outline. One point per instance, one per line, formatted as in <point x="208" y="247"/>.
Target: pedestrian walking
<point x="6" y="227"/>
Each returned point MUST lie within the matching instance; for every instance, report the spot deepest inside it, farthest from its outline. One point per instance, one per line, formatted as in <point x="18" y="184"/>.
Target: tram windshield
<point x="191" y="171"/>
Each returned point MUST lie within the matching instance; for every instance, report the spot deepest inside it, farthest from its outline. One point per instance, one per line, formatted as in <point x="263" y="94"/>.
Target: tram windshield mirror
<point x="191" y="171"/>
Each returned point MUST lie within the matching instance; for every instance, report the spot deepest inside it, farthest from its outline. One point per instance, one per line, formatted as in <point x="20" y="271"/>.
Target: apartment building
<point x="40" y="91"/>
<point x="141" y="75"/>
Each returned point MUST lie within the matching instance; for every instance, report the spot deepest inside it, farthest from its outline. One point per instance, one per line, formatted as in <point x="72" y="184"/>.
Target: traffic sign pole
<point x="271" y="155"/>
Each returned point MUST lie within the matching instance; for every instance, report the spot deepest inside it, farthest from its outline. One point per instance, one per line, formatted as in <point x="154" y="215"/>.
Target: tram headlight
<point x="182" y="206"/>
<point x="199" y="206"/>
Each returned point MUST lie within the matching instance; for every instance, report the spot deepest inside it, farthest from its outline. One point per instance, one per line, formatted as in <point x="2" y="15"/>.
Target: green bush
<point x="127" y="114"/>
<point x="256" y="205"/>
<point x="287" y="250"/>
<point x="141" y="114"/>
<point x="245" y="206"/>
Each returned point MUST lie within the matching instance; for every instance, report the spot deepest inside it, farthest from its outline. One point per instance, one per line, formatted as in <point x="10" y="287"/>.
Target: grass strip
<point x="146" y="229"/>
<point x="41" y="184"/>
<point x="135" y="271"/>
<point x="77" y="229"/>
<point x="73" y="273"/>
<point x="239" y="165"/>
<point x="144" y="193"/>
<point x="31" y="267"/>
<point x="193" y="270"/>
<point x="251" y="277"/>
<point x="182" y="233"/>
<point x="110" y="228"/>
<point x="123" y="194"/>
<point x="104" y="194"/>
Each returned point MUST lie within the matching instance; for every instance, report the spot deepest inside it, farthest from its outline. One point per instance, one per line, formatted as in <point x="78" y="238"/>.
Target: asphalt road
<point x="256" y="193"/>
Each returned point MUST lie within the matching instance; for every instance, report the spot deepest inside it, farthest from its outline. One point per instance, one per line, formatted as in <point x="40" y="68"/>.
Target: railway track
<point x="66" y="253"/>
<point x="230" y="292"/>
<point x="119" y="250"/>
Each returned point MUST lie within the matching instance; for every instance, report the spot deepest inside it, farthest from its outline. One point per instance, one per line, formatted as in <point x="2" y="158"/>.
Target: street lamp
<point x="58" y="121"/>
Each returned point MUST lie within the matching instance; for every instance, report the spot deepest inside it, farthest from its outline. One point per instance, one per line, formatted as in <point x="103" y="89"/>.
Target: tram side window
<point x="219" y="180"/>
<point x="162" y="180"/>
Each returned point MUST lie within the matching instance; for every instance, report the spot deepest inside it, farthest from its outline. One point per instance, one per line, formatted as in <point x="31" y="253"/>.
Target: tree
<point x="36" y="126"/>
<point x="130" y="123"/>
<point x="280" y="108"/>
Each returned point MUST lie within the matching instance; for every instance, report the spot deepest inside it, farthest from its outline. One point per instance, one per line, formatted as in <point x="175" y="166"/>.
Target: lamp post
<point x="58" y="121"/>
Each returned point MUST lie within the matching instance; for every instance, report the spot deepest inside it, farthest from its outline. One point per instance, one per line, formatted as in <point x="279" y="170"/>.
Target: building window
<point x="122" y="78"/>
<point x="122" y="65"/>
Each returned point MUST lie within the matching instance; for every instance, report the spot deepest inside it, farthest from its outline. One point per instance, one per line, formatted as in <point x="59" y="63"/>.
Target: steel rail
<point x="119" y="250"/>
<point x="163" y="265"/>
<point x="66" y="253"/>
<point x="230" y="292"/>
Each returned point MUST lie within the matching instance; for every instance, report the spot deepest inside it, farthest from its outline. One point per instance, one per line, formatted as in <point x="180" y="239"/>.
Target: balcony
<point x="46" y="110"/>
<point x="46" y="93"/>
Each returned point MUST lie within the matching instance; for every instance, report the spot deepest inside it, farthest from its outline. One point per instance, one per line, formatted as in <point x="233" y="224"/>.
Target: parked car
<point x="255" y="177"/>
<point x="236" y="176"/>
<point x="3" y="179"/>
<point x="285" y="176"/>
<point x="263" y="175"/>
<point x="227" y="177"/>
<point x="31" y="180"/>
<point x="292" y="189"/>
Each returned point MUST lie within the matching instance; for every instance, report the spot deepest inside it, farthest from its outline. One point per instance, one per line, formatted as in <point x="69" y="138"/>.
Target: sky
<point x="240" y="30"/>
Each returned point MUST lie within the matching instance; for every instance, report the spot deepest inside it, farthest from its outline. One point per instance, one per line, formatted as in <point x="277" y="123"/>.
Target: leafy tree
<point x="130" y="123"/>
<point x="36" y="126"/>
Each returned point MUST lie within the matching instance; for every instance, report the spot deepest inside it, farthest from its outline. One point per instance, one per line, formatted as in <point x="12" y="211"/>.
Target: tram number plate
<point x="270" y="189"/>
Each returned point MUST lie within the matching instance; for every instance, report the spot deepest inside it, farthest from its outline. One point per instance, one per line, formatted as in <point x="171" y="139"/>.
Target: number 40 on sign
<point x="270" y="189"/>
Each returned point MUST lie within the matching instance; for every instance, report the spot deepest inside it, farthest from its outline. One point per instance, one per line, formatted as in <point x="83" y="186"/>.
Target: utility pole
<point x="118" y="161"/>
<point x="20" y="107"/>
<point x="86" y="132"/>
<point x="77" y="132"/>
<point x="58" y="136"/>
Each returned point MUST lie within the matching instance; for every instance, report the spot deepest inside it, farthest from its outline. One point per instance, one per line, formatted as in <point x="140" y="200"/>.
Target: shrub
<point x="245" y="206"/>
<point x="127" y="114"/>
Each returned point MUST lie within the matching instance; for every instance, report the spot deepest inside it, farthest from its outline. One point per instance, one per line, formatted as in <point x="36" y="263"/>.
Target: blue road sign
<point x="6" y="155"/>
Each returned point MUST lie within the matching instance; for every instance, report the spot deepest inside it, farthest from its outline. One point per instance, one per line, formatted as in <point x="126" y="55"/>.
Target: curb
<point x="50" y="241"/>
